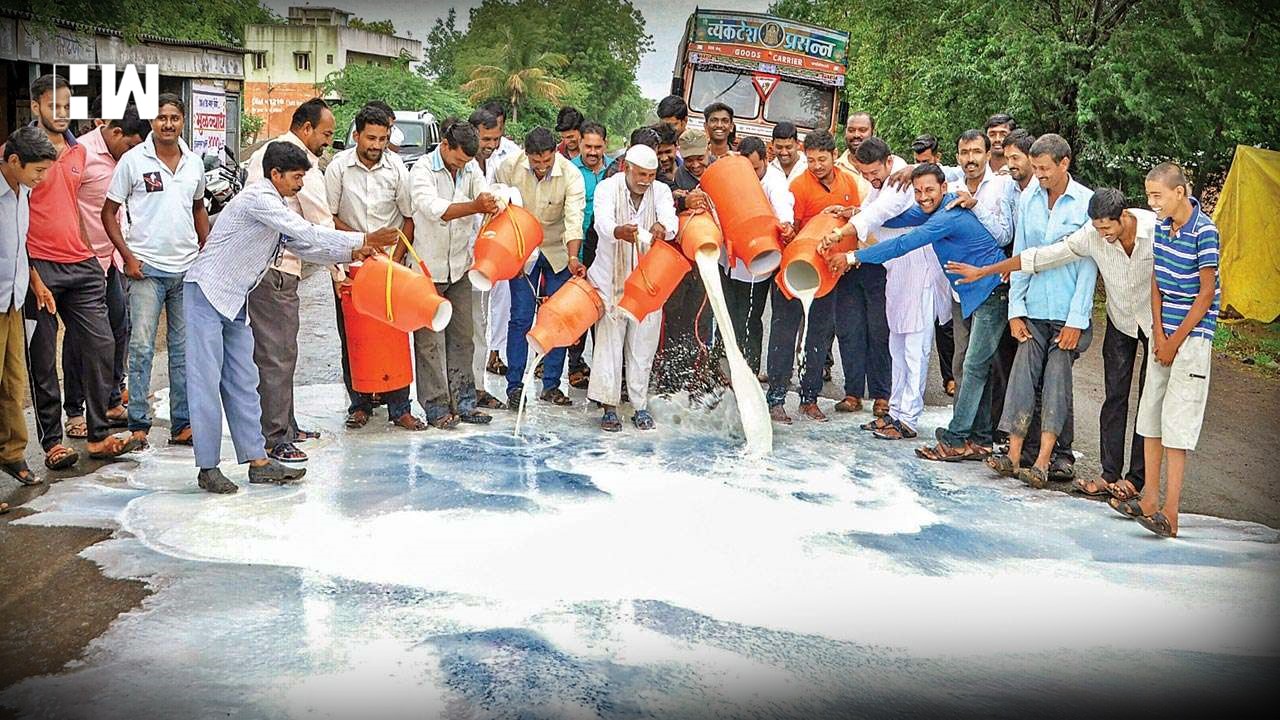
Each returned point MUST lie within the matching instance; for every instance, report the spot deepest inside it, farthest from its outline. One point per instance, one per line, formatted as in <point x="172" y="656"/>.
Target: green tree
<point x="1128" y="82"/>
<point x="382" y="27"/>
<point x="603" y="41"/>
<point x="518" y="72"/>
<point x="397" y="85"/>
<point x="440" y="47"/>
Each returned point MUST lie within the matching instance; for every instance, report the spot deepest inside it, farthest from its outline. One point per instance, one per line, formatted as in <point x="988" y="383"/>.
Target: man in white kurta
<point x="916" y="293"/>
<point x="632" y="212"/>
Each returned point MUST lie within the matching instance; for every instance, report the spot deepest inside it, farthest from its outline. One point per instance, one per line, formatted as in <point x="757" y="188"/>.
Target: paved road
<point x="53" y="603"/>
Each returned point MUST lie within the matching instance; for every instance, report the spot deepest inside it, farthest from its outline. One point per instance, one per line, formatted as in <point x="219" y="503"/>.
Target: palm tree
<point x="520" y="73"/>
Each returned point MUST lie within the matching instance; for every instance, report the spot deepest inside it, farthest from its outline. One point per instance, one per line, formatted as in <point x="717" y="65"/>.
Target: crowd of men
<point x="993" y="260"/>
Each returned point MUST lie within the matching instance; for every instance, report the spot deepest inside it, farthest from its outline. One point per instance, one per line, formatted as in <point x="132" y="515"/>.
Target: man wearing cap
<point x="632" y="212"/>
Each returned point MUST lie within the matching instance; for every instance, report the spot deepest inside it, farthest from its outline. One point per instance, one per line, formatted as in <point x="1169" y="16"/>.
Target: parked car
<point x="415" y="134"/>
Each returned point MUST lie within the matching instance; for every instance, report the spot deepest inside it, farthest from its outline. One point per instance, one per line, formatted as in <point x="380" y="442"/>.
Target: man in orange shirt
<point x="821" y="186"/>
<point x="65" y="269"/>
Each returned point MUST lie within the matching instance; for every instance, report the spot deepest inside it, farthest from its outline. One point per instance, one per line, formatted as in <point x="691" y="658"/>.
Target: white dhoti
<point x="915" y="293"/>
<point x="617" y="339"/>
<point x="499" y="316"/>
<point x="910" y="352"/>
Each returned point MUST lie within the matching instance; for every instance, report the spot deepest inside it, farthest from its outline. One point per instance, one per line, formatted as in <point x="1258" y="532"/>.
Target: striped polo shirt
<point x="1178" y="259"/>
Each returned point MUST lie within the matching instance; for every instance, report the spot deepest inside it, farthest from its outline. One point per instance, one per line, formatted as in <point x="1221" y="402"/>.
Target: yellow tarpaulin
<point x="1248" y="220"/>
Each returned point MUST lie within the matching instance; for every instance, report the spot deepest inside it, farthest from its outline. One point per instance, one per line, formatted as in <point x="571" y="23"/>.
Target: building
<point x="287" y="64"/>
<point x="207" y="76"/>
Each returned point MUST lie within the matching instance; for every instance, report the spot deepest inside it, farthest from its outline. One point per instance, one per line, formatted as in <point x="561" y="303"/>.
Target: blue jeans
<point x="156" y="290"/>
<point x="971" y="417"/>
<point x="223" y="377"/>
<point x="522" y="309"/>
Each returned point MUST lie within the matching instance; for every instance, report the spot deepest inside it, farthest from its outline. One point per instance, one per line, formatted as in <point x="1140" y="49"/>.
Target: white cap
<point x="643" y="157"/>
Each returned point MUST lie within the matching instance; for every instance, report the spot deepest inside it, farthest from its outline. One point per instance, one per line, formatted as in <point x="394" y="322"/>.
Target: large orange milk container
<point x="746" y="218"/>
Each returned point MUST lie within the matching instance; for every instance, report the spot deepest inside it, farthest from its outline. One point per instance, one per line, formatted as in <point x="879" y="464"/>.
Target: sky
<point x="664" y="20"/>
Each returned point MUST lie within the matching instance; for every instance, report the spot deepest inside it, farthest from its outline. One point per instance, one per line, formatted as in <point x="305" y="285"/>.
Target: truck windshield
<point x="736" y="91"/>
<point x="413" y="133"/>
<point x="807" y="106"/>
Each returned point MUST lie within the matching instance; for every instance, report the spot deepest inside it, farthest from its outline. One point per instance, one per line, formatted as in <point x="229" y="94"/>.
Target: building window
<point x="260" y="61"/>
<point x="302" y="60"/>
<point x="329" y="58"/>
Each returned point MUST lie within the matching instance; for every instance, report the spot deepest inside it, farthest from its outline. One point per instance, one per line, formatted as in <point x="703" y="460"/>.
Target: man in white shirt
<point x="28" y="155"/>
<point x="489" y="158"/>
<point x="916" y="292"/>
<point x="449" y="191"/>
<point x="161" y="183"/>
<point x="633" y="211"/>
<point x="788" y="157"/>
<point x="1119" y="240"/>
<point x="367" y="187"/>
<point x="273" y="304"/>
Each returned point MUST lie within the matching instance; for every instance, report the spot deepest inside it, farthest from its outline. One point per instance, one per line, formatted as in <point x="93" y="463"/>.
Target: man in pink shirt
<point x="104" y="145"/>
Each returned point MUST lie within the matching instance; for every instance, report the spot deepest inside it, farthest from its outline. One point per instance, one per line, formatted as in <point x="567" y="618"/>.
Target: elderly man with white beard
<point x="632" y="212"/>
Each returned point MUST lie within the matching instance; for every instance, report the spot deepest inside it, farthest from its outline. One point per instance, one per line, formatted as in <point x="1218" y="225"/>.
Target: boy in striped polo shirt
<point x="1184" y="309"/>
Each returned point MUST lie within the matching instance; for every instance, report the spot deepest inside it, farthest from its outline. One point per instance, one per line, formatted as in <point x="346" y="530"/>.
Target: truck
<point x="768" y="69"/>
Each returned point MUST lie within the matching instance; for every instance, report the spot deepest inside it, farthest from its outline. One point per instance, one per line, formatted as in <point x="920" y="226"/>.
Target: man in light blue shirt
<point x="1049" y="313"/>
<point x="27" y="157"/>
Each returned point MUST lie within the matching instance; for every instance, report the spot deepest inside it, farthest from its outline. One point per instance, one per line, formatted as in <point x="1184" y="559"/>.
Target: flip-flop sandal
<point x="118" y="421"/>
<point x="78" y="430"/>
<point x="1081" y="486"/>
<point x="20" y="471"/>
<point x="1158" y="524"/>
<point x="357" y="420"/>
<point x="61" y="460"/>
<point x="1034" y="476"/>
<point x="448" y="421"/>
<point x="125" y="447"/>
<point x="1128" y="508"/>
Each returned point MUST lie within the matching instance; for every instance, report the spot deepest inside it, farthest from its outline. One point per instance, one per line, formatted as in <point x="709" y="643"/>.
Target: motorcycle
<point x="222" y="180"/>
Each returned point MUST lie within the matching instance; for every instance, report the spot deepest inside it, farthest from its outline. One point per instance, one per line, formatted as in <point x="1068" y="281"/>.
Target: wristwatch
<point x="851" y="257"/>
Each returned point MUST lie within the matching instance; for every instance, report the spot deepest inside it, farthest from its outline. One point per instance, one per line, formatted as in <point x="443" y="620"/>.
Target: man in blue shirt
<point x="955" y="232"/>
<point x="1048" y="315"/>
<point x="590" y="162"/>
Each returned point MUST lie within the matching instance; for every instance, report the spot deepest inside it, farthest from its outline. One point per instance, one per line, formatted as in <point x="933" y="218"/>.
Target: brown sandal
<point x="879" y="423"/>
<point x="1101" y="488"/>
<point x="1123" y="489"/>
<point x="357" y="419"/>
<point x="943" y="453"/>
<point x="184" y="437"/>
<point x="117" y="447"/>
<point x="77" y="428"/>
<point x="409" y="422"/>
<point x="60" y="457"/>
<point x="850" y="404"/>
